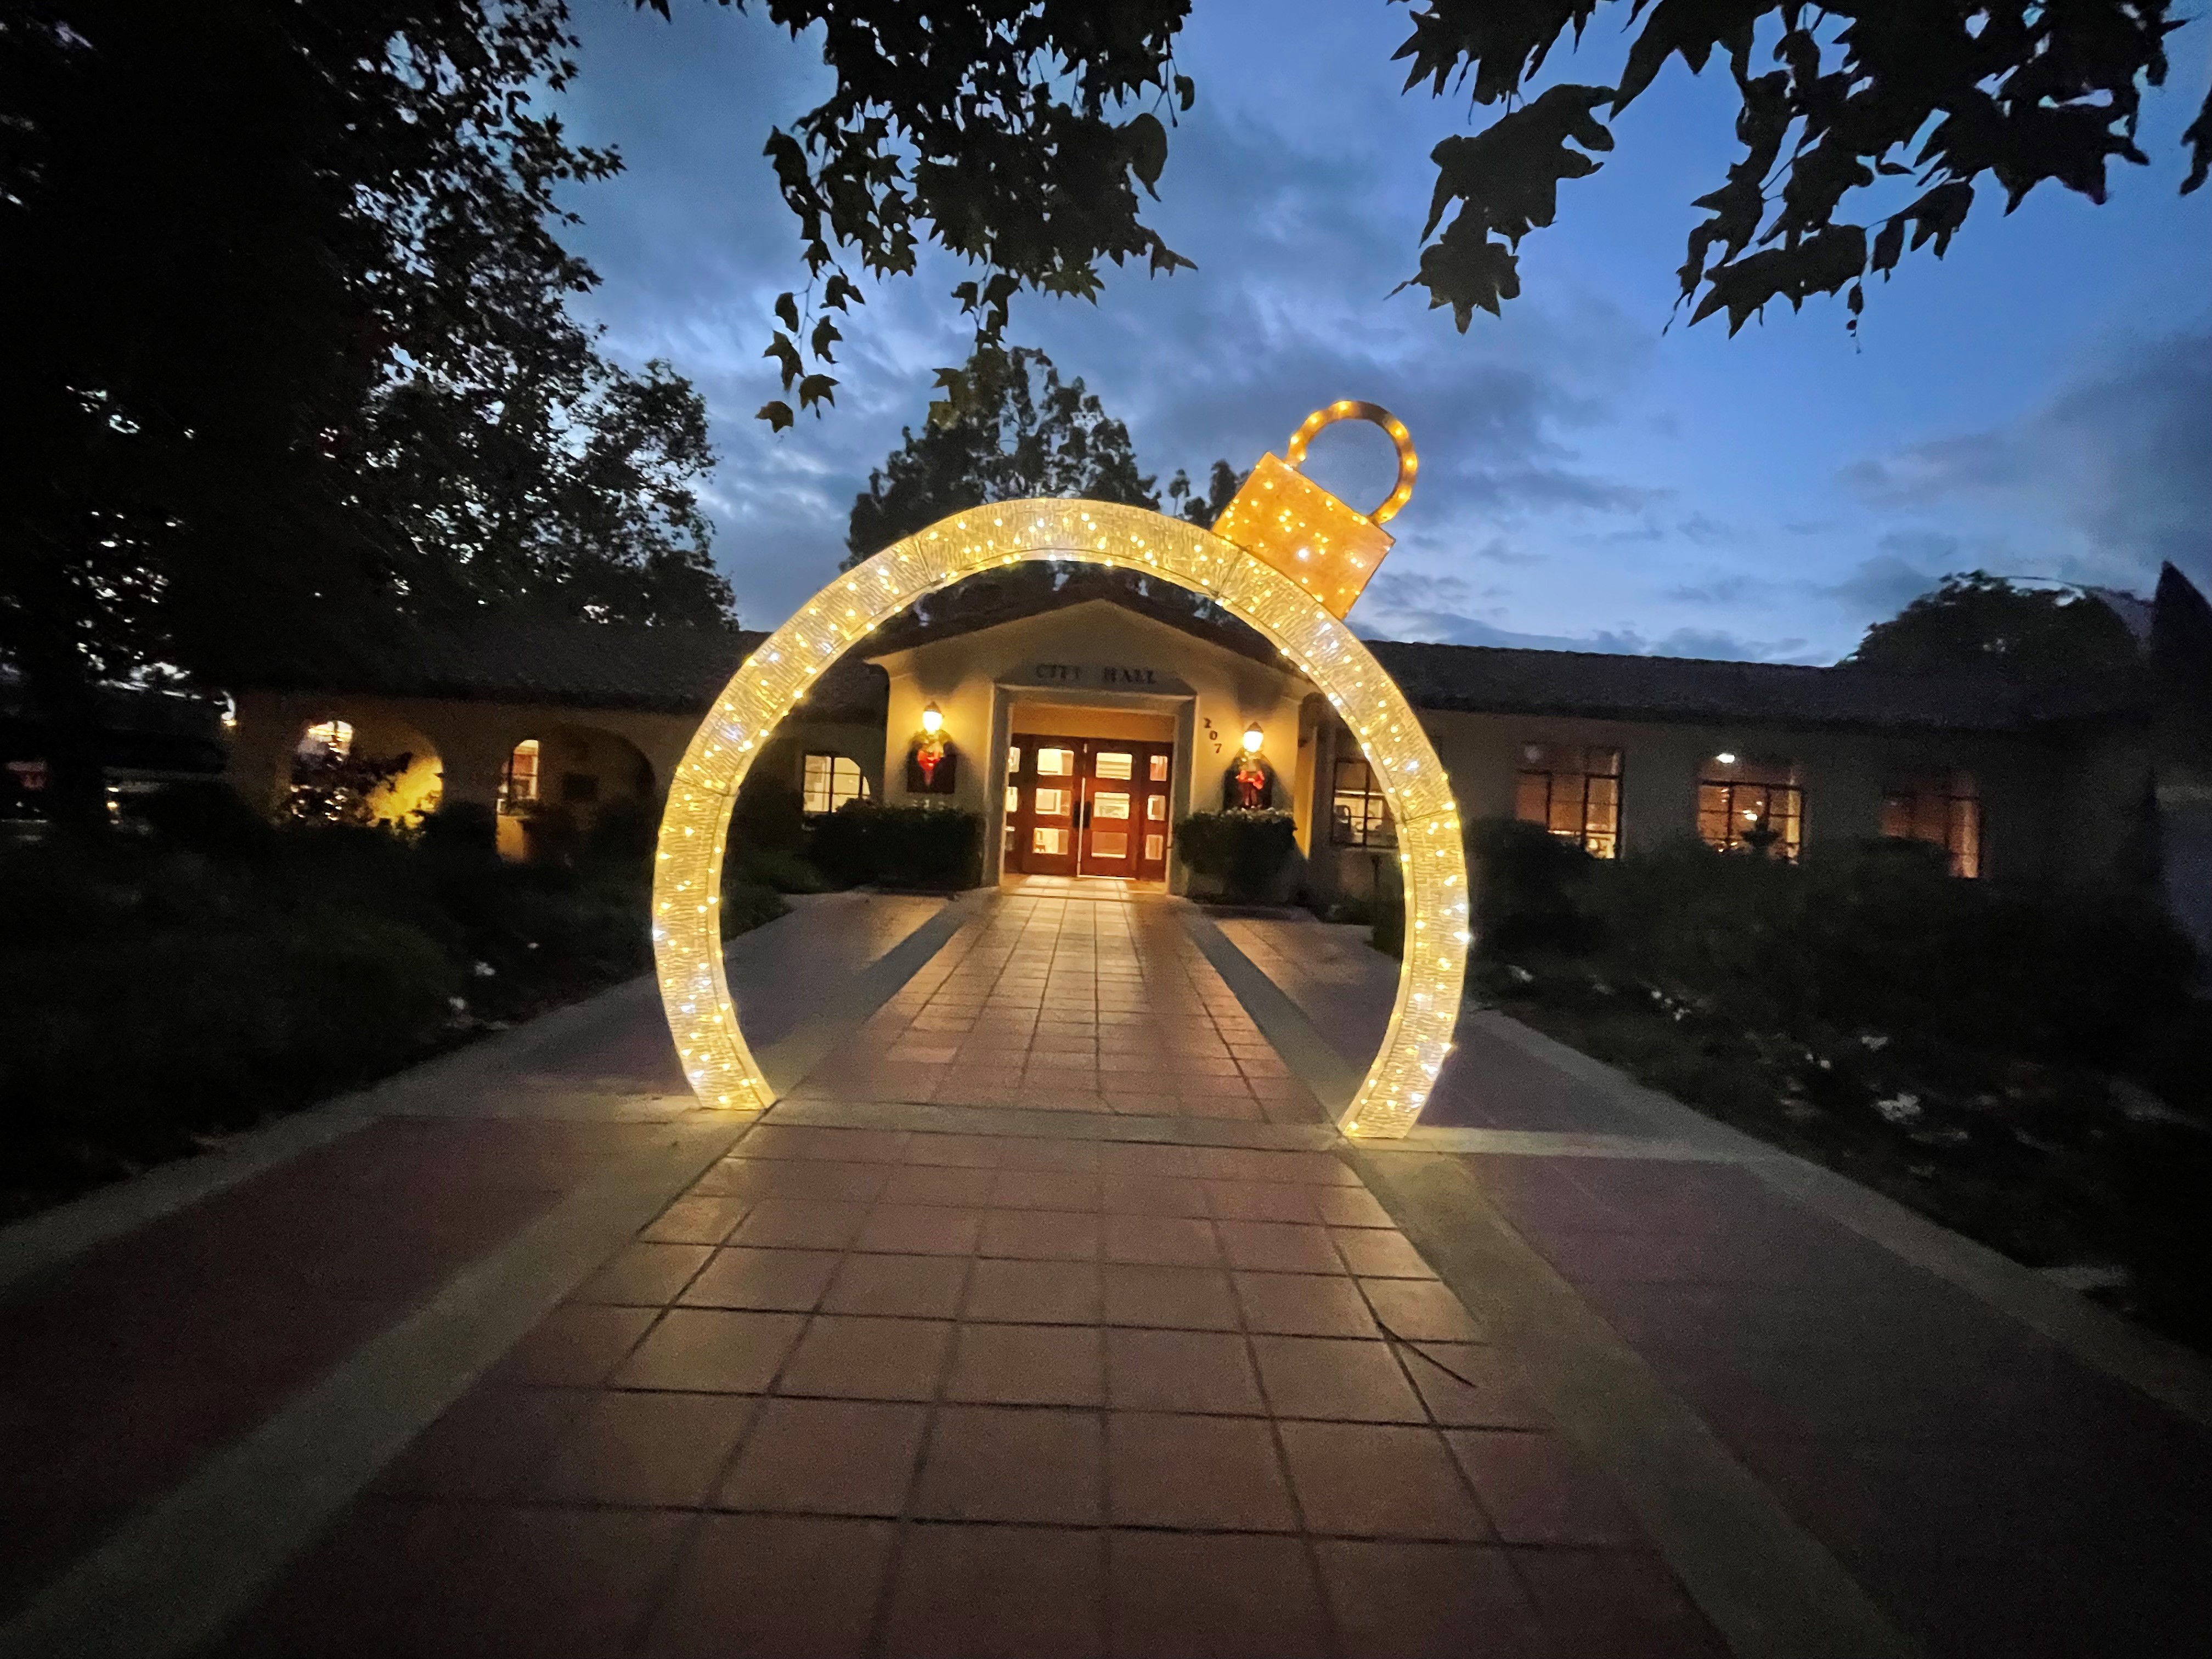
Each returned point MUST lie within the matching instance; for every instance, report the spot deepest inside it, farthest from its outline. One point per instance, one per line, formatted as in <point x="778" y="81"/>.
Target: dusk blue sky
<point x="2038" y="403"/>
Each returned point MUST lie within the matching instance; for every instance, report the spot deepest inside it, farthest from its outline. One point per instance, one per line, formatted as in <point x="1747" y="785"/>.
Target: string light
<point x="693" y="831"/>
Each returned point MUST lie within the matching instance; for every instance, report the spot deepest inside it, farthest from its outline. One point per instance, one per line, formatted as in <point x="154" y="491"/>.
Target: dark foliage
<point x="1024" y="432"/>
<point x="1900" y="108"/>
<point x="1978" y="1052"/>
<point x="1979" y="620"/>
<point x="1245" y="852"/>
<point x="1008" y="132"/>
<point x="301" y="359"/>
<point x="930" y="847"/>
<point x="1017" y="133"/>
<point x="191" y="981"/>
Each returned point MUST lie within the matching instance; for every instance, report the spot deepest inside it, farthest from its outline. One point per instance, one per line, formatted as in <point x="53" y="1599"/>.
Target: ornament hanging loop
<point x="1346" y="409"/>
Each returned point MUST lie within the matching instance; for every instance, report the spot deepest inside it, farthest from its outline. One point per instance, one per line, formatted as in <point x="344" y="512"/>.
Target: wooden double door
<point x="1088" y="806"/>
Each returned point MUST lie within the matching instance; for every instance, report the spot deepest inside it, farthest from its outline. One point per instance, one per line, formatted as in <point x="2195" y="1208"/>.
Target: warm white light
<point x="1252" y="738"/>
<point x="694" y="833"/>
<point x="1725" y="759"/>
<point x="933" y="720"/>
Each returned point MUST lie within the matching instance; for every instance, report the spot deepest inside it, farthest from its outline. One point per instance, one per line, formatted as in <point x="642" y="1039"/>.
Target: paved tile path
<point x="1048" y="1316"/>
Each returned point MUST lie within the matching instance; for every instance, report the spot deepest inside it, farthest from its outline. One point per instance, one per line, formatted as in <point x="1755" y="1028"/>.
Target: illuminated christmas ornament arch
<point x="687" y="874"/>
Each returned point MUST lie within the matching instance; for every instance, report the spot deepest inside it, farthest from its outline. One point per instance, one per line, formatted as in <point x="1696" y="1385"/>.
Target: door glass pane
<point x="1116" y="765"/>
<point x="1156" y="809"/>
<point x="1049" y="841"/>
<point x="1113" y="806"/>
<point x="1014" y="760"/>
<point x="1056" y="763"/>
<point x="1013" y="799"/>
<point x="1110" y="843"/>
<point x="1051" y="803"/>
<point x="1160" y="769"/>
<point x="1156" y="849"/>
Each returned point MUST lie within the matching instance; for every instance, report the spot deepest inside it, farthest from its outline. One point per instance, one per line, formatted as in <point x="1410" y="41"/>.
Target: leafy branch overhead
<point x="1009" y="132"/>
<point x="1017" y="134"/>
<point x="1938" y="95"/>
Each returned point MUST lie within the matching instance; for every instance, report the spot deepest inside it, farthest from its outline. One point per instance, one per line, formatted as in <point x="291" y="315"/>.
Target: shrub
<point x="208" y="816"/>
<point x="622" y="838"/>
<point x="927" y="846"/>
<point x="122" y="1049"/>
<point x="1245" y="852"/>
<point x="1528" y="886"/>
<point x="465" y="828"/>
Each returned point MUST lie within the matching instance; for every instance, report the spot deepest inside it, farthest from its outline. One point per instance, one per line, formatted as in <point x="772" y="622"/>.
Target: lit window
<point x="1051" y="803"/>
<point x="1160" y="769"/>
<point x="1156" y="849"/>
<point x="831" y="781"/>
<point x="1056" y="763"/>
<point x="518" y="784"/>
<point x="1053" y="842"/>
<point x="326" y="741"/>
<point x="1156" y="809"/>
<point x="1359" y="816"/>
<point x="1749" y="804"/>
<point x="1013" y="799"/>
<point x="1944" y="810"/>
<point x="1574" y="792"/>
<point x="1119" y="768"/>
<point x="1110" y="843"/>
<point x="1013" y="761"/>
<point x="1111" y="806"/>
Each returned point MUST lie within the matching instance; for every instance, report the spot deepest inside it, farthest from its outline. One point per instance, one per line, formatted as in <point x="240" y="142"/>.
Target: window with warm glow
<point x="1051" y="803"/>
<point x="1748" y="804"/>
<point x="1573" y="792"/>
<point x="831" y="781"/>
<point x="1944" y="811"/>
<point x="326" y="741"/>
<point x="1358" y="815"/>
<point x="1056" y="763"/>
<point x="1119" y="768"/>
<point x="518" y="782"/>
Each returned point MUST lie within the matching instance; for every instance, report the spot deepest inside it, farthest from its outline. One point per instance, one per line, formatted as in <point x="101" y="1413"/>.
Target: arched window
<point x="518" y="784"/>
<point x="326" y="741"/>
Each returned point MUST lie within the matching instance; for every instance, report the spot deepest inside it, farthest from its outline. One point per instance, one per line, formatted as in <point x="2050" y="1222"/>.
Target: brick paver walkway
<point x="2001" y="1498"/>
<point x="1091" y="1341"/>
<point x="1057" y="1004"/>
<point x="921" y="1394"/>
<point x="880" y="1391"/>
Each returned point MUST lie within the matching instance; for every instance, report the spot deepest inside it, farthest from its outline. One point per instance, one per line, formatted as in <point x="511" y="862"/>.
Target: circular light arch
<point x="695" y="830"/>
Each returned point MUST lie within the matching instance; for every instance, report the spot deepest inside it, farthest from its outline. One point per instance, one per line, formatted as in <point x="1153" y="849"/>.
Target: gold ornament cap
<point x="1326" y="546"/>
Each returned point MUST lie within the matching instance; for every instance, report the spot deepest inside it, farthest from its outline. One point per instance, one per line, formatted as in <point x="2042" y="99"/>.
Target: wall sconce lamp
<point x="933" y="720"/>
<point x="1725" y="759"/>
<point x="1252" y="738"/>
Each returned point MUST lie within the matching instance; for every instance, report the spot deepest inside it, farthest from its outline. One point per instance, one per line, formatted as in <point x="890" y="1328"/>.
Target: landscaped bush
<point x="156" y="988"/>
<point x="2027" y="1064"/>
<point x="1243" y="851"/>
<point x="768" y="845"/>
<point x="928" y="846"/>
<point x="120" y="1049"/>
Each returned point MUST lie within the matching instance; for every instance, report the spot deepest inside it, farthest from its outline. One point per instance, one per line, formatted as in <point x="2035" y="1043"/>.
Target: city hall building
<point x="1081" y="713"/>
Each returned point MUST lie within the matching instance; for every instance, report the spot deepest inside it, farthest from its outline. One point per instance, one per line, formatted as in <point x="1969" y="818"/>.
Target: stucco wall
<point x="2048" y="808"/>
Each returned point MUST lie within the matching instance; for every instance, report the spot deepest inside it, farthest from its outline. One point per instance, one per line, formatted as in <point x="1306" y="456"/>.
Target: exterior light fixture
<point x="1725" y="759"/>
<point x="1253" y="737"/>
<point x="933" y="720"/>
<point x="1249" y="586"/>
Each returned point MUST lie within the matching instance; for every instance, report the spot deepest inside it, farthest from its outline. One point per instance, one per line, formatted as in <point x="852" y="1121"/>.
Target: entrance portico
<point x="1089" y="685"/>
